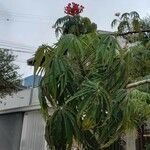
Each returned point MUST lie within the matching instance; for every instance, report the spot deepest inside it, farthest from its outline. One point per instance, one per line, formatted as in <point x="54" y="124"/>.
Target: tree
<point x="137" y="41"/>
<point x="9" y="78"/>
<point x="91" y="84"/>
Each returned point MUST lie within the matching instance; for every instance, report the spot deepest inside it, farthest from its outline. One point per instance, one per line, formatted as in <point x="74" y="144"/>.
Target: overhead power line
<point x="21" y="51"/>
<point x="21" y="17"/>
<point x="21" y="61"/>
<point x="10" y="48"/>
<point x="17" y="44"/>
<point x="8" y="12"/>
<point x="23" y="20"/>
<point x="17" y="47"/>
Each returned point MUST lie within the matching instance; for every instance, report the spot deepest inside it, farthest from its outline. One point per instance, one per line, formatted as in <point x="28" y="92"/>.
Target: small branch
<point x="81" y="68"/>
<point x="138" y="83"/>
<point x="130" y="32"/>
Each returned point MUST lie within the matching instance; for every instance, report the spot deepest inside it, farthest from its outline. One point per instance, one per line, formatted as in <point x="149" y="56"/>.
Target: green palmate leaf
<point x="125" y="15"/>
<point x="56" y="81"/>
<point x="107" y="50"/>
<point x="134" y="14"/>
<point x="136" y="25"/>
<point x="137" y="109"/>
<point x="128" y="22"/>
<point x="113" y="125"/>
<point x="61" y="20"/>
<point x="62" y="128"/>
<point x="89" y="141"/>
<point x="70" y="44"/>
<point x="110" y="68"/>
<point x="123" y="26"/>
<point x="43" y="102"/>
<point x="76" y="25"/>
<point x="114" y="22"/>
<point x="117" y="76"/>
<point x="138" y="56"/>
<point x="42" y="58"/>
<point x="59" y="24"/>
<point x="95" y="102"/>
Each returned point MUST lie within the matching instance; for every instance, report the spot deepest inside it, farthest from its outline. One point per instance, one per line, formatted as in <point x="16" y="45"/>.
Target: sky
<point x="26" y="24"/>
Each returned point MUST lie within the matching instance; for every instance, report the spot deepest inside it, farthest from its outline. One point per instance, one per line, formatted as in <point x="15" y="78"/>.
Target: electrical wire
<point x="21" y="51"/>
<point x="20" y="61"/>
<point x="9" y="48"/>
<point x="24" y="21"/>
<point x="17" y="47"/>
<point x="11" y="45"/>
<point x="16" y="44"/>
<point x="8" y="12"/>
<point x="19" y="17"/>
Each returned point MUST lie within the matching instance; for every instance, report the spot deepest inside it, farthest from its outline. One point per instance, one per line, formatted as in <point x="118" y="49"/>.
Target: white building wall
<point x="33" y="131"/>
<point x="130" y="140"/>
<point x="19" y="99"/>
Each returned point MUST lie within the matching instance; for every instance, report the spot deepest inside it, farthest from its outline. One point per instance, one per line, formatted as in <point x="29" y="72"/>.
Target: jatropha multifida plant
<point x="85" y="95"/>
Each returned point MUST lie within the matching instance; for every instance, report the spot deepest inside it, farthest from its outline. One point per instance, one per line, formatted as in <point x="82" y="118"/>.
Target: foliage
<point x="73" y="23"/>
<point x="9" y="78"/>
<point x="138" y="107"/>
<point x="148" y="147"/>
<point x="128" y="23"/>
<point x="139" y="56"/>
<point x="145" y="24"/>
<point x="76" y="25"/>
<point x="85" y="75"/>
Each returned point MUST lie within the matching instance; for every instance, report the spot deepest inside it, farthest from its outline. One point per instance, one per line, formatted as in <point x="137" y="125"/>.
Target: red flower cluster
<point x="73" y="9"/>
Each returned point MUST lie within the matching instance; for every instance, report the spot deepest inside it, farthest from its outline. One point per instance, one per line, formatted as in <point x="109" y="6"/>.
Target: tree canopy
<point x="91" y="83"/>
<point x="9" y="78"/>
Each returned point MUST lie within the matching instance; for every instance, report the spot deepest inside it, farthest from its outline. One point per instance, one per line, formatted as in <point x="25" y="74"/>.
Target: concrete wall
<point x="21" y="100"/>
<point x="33" y="131"/>
<point x="130" y="140"/>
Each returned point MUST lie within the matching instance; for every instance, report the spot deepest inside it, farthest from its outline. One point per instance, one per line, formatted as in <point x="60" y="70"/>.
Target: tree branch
<point x="81" y="68"/>
<point x="130" y="32"/>
<point x="138" y="83"/>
